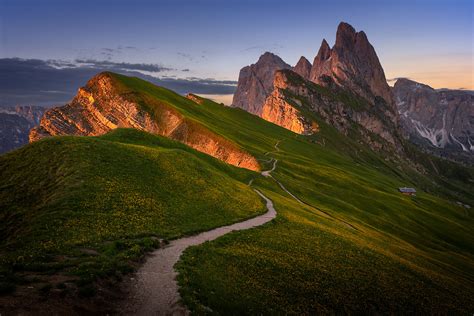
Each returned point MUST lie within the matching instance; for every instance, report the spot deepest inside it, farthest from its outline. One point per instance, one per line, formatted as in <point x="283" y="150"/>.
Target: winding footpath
<point x="154" y="290"/>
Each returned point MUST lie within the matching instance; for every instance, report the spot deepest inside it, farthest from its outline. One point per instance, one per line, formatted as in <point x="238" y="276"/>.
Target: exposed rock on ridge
<point x="104" y="104"/>
<point x="256" y="83"/>
<point x="279" y="111"/>
<point x="333" y="107"/>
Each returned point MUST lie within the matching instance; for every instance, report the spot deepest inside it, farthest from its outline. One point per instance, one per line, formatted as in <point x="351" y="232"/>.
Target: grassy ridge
<point x="60" y="195"/>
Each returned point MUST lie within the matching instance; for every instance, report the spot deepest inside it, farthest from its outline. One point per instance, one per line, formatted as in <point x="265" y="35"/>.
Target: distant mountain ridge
<point x="438" y="120"/>
<point x="15" y="125"/>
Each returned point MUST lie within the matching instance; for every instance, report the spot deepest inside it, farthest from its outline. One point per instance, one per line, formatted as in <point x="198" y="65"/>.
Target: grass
<point x="407" y="254"/>
<point x="399" y="254"/>
<point x="115" y="195"/>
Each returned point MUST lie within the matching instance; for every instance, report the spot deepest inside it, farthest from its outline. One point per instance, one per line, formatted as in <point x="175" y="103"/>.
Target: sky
<point x="427" y="41"/>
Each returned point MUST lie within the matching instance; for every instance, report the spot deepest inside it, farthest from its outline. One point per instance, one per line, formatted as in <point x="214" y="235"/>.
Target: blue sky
<point x="429" y="41"/>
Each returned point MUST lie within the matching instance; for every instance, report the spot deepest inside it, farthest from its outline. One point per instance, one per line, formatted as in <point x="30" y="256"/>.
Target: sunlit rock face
<point x="353" y="64"/>
<point x="278" y="110"/>
<point x="442" y="120"/>
<point x="103" y="105"/>
<point x="256" y="83"/>
<point x="293" y="92"/>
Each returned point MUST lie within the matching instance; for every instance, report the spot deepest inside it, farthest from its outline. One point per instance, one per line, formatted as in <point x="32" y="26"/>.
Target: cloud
<point x="186" y="56"/>
<point x="185" y="70"/>
<point x="396" y="78"/>
<point x="107" y="64"/>
<point x="55" y="82"/>
<point x="252" y="48"/>
<point x="271" y="47"/>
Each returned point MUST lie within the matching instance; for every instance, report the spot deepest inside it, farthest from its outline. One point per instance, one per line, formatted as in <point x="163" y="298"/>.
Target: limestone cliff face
<point x="104" y="104"/>
<point x="442" y="120"/>
<point x="256" y="83"/>
<point x="293" y="91"/>
<point x="278" y="110"/>
<point x="353" y="64"/>
<point x="303" y="68"/>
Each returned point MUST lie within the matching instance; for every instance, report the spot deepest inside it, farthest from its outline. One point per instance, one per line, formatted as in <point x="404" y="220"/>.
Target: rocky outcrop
<point x="441" y="120"/>
<point x="335" y="106"/>
<point x="105" y="104"/>
<point x="15" y="124"/>
<point x="353" y="64"/>
<point x="345" y="85"/>
<point x="195" y="98"/>
<point x="303" y="68"/>
<point x="278" y="110"/>
<point x="256" y="83"/>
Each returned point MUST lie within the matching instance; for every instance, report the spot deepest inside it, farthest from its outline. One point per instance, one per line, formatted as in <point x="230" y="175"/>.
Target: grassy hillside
<point x="83" y="206"/>
<point x="355" y="244"/>
<point x="417" y="252"/>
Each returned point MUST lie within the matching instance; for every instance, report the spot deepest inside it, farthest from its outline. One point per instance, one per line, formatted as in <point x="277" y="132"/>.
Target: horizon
<point x="201" y="48"/>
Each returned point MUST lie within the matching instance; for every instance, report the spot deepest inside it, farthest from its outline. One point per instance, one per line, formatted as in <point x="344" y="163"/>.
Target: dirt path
<point x="155" y="290"/>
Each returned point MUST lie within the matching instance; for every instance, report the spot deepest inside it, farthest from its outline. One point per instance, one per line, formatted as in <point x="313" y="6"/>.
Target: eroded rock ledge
<point x="105" y="104"/>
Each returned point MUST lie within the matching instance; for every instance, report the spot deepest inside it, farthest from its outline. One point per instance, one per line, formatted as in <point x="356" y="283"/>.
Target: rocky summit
<point x="303" y="68"/>
<point x="345" y="85"/>
<point x="351" y="63"/>
<point x="256" y="83"/>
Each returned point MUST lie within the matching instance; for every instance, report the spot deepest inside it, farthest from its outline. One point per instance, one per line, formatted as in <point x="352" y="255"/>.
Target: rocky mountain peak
<point x="303" y="67"/>
<point x="268" y="57"/>
<point x="345" y="36"/>
<point x="256" y="83"/>
<point x="324" y="51"/>
<point x="353" y="64"/>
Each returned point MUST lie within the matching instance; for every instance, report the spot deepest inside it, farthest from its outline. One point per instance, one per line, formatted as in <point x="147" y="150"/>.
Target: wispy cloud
<point x="270" y="47"/>
<point x="396" y="78"/>
<point x="54" y="82"/>
<point x="106" y="64"/>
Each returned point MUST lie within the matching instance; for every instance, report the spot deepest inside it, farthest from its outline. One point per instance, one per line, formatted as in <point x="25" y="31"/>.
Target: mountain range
<point x="15" y="125"/>
<point x="442" y="122"/>
<point x="127" y="167"/>
<point x="346" y="84"/>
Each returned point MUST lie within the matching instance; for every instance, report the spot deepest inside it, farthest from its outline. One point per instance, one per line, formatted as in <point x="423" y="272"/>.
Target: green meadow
<point x="354" y="245"/>
<point x="85" y="206"/>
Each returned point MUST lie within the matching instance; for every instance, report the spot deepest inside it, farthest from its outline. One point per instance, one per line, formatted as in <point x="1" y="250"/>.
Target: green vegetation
<point x="356" y="245"/>
<point x="86" y="206"/>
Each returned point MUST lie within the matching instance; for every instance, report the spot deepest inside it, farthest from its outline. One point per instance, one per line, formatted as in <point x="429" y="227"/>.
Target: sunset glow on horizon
<point x="426" y="41"/>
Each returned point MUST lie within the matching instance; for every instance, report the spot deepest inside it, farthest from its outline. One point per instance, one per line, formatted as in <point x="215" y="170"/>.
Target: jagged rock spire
<point x="303" y="67"/>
